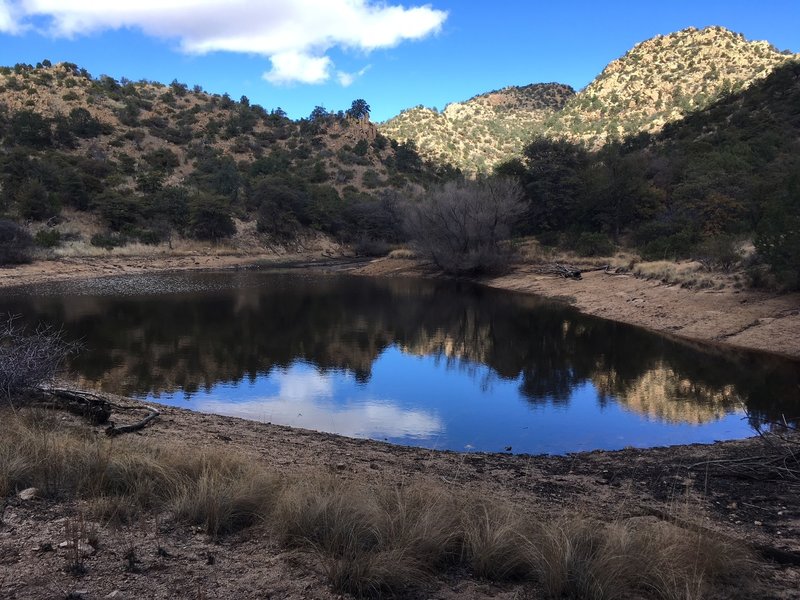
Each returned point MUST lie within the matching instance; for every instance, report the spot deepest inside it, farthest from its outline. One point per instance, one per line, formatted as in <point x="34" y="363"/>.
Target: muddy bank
<point x="740" y="317"/>
<point x="62" y="269"/>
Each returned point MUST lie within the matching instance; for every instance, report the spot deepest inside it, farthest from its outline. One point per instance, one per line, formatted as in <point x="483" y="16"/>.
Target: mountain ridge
<point x="658" y="81"/>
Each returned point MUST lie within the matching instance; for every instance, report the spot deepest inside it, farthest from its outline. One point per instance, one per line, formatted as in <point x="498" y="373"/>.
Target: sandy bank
<point x="744" y="318"/>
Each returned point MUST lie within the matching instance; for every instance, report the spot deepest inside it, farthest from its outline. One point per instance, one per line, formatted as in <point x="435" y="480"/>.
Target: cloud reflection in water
<point x="306" y="398"/>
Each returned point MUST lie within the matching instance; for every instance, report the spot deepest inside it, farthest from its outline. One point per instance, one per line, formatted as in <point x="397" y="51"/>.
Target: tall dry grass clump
<point x="578" y="557"/>
<point x="372" y="538"/>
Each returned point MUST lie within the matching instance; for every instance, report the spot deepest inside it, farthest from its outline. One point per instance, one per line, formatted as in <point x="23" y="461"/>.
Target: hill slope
<point x="658" y="81"/>
<point x="663" y="79"/>
<point x="484" y="130"/>
<point x="151" y="159"/>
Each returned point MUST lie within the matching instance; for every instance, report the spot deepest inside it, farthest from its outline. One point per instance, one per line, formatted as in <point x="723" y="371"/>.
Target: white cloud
<point x="8" y="22"/>
<point x="346" y="79"/>
<point x="291" y="67"/>
<point x="294" y="34"/>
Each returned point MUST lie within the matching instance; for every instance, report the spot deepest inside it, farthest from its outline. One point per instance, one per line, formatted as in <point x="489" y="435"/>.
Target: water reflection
<point x="305" y="398"/>
<point x="434" y="363"/>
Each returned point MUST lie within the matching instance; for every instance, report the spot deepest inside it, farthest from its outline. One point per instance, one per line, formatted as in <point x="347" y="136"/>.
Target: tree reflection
<point x="241" y="325"/>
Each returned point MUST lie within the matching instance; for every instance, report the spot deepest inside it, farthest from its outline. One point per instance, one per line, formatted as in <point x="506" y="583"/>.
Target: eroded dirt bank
<point x="745" y="318"/>
<point x="648" y="484"/>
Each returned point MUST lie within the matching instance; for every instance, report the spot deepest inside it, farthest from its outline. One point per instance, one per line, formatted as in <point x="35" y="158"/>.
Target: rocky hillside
<point x="658" y="81"/>
<point x="150" y="160"/>
<point x="127" y="121"/>
<point x="662" y="80"/>
<point x="484" y="130"/>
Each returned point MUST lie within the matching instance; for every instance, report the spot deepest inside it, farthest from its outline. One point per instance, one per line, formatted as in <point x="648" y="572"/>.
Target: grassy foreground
<point x="372" y="538"/>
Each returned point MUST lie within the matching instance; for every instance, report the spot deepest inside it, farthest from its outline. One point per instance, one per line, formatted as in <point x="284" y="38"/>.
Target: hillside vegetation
<point x="657" y="82"/>
<point x="728" y="173"/>
<point x="151" y="161"/>
<point x="477" y="134"/>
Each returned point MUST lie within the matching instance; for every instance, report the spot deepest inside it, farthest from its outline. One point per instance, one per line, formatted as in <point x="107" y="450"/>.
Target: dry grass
<point x="372" y="539"/>
<point x="689" y="274"/>
<point x="402" y="254"/>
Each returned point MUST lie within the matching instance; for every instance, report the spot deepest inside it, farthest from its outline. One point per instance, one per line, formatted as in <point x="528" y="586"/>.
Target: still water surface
<point x="435" y="364"/>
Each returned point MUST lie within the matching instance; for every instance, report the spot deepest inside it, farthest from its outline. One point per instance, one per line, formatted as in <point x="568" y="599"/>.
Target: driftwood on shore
<point x="565" y="271"/>
<point x="97" y="409"/>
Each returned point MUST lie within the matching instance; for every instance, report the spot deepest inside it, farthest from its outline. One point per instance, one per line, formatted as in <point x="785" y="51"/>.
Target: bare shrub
<point x="28" y="360"/>
<point x="462" y="226"/>
<point x="722" y="253"/>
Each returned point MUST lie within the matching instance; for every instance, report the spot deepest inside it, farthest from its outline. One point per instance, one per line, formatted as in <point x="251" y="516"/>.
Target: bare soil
<point x="649" y="484"/>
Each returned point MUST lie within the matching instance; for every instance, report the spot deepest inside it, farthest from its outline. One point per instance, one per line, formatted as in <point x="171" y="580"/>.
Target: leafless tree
<point x="30" y="359"/>
<point x="462" y="226"/>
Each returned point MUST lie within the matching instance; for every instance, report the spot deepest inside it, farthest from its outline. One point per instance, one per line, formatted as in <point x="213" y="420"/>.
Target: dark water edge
<point x="439" y="364"/>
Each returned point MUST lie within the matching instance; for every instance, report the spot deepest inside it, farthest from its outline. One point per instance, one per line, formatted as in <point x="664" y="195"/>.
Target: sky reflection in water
<point x="436" y="364"/>
<point x="424" y="401"/>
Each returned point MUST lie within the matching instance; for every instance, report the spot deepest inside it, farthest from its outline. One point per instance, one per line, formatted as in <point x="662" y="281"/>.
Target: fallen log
<point x="98" y="409"/>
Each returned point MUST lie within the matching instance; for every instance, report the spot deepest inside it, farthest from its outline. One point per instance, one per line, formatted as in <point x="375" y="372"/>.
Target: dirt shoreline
<point x="741" y="318"/>
<point x="651" y="484"/>
<point x="748" y="319"/>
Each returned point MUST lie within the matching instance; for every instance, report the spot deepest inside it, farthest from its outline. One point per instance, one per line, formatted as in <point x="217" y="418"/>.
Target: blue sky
<point x="300" y="53"/>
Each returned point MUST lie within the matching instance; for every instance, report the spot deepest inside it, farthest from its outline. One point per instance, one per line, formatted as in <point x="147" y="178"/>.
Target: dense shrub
<point x="778" y="242"/>
<point x="48" y="238"/>
<point x="15" y="243"/>
<point x="163" y="160"/>
<point x="593" y="244"/>
<point x="109" y="241"/>
<point x="36" y="203"/>
<point x="209" y="218"/>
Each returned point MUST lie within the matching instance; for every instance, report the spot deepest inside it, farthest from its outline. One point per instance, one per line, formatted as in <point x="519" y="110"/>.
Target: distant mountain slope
<point x="135" y="118"/>
<point x="663" y="79"/>
<point x="658" y="81"/>
<point x="484" y="130"/>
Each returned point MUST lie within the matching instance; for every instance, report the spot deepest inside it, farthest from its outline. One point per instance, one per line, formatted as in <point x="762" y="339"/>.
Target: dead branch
<point x="98" y="409"/>
<point x="114" y="430"/>
<point x="565" y="271"/>
<point x="779" y="460"/>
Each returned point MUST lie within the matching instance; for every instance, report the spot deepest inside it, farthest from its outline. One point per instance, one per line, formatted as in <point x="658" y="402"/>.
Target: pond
<point x="437" y="364"/>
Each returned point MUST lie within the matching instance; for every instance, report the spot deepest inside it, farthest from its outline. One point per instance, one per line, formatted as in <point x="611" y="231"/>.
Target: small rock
<point x="757" y="523"/>
<point x="30" y="493"/>
<point x="114" y="594"/>
<point x="340" y="466"/>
